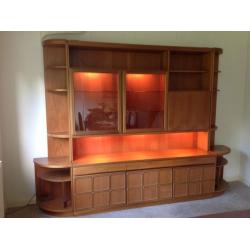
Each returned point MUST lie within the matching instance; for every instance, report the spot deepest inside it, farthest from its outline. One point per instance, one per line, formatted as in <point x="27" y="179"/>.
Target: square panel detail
<point x="165" y="192"/>
<point x="150" y="178"/>
<point x="209" y="173"/>
<point x="83" y="184"/>
<point x="195" y="174"/>
<point x="165" y="176"/>
<point x="134" y="179"/>
<point x="134" y="195"/>
<point x="194" y="188"/>
<point x="181" y="175"/>
<point x="150" y="193"/>
<point x="117" y="197"/>
<point x="83" y="202"/>
<point x="180" y="190"/>
<point x="208" y="187"/>
<point x="101" y="199"/>
<point x="101" y="182"/>
<point x="117" y="180"/>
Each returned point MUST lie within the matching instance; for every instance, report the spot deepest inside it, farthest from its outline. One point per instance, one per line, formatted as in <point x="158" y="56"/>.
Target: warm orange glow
<point x="144" y="82"/>
<point x="97" y="145"/>
<point x="92" y="81"/>
<point x="92" y="74"/>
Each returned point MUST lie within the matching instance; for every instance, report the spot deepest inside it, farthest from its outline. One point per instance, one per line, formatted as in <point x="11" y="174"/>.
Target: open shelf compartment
<point x="119" y="148"/>
<point x="54" y="189"/>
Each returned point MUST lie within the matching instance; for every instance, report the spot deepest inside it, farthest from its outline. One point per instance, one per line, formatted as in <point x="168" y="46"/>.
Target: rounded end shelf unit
<point x="53" y="185"/>
<point x="128" y="125"/>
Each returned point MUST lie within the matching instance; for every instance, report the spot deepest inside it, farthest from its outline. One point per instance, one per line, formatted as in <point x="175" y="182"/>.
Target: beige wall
<point x="22" y="96"/>
<point x="23" y="114"/>
<point x="245" y="146"/>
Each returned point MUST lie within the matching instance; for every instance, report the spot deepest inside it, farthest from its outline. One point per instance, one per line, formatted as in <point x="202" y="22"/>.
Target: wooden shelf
<point x="55" y="205"/>
<point x="56" y="67"/>
<point x="189" y="71"/>
<point x="63" y="135"/>
<point x="140" y="155"/>
<point x="221" y="150"/>
<point x="221" y="162"/>
<point x="58" y="162"/>
<point x="189" y="91"/>
<point x="151" y="91"/>
<point x="57" y="90"/>
<point x="62" y="175"/>
<point x="100" y="91"/>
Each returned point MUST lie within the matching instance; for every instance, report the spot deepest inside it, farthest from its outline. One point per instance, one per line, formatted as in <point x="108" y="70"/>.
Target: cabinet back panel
<point x="57" y="112"/>
<point x="54" y="56"/>
<point x="91" y="145"/>
<point x="115" y="59"/>
<point x="189" y="61"/>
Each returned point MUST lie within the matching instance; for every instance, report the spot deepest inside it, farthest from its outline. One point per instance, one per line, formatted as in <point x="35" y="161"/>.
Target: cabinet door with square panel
<point x="149" y="185"/>
<point x="99" y="191"/>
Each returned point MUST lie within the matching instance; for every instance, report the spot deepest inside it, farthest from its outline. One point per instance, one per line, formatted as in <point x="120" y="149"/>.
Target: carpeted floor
<point x="237" y="198"/>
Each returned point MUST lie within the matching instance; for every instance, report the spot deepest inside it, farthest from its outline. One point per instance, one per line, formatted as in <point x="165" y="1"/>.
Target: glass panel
<point x="96" y="101"/>
<point x="145" y="101"/>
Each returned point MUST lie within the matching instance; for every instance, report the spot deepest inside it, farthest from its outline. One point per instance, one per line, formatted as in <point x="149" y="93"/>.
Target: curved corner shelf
<point x="55" y="206"/>
<point x="58" y="176"/>
<point x="62" y="135"/>
<point x="57" y="162"/>
<point x="221" y="150"/>
<point x="221" y="162"/>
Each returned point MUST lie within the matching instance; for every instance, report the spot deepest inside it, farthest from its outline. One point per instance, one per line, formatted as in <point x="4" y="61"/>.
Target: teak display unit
<point x="128" y="125"/>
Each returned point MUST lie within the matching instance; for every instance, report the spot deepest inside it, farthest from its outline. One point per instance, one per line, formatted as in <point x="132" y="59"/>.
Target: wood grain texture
<point x="188" y="110"/>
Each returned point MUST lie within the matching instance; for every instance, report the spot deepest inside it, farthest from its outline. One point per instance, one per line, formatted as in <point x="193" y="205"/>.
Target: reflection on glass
<point x="96" y="101"/>
<point x="145" y="101"/>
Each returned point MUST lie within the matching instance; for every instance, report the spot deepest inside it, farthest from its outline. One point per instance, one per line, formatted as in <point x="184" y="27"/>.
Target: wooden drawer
<point x="170" y="163"/>
<point x="98" y="168"/>
<point x="142" y="165"/>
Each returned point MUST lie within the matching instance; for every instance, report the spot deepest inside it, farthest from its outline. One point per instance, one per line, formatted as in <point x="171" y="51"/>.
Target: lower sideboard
<point x="69" y="188"/>
<point x="107" y="191"/>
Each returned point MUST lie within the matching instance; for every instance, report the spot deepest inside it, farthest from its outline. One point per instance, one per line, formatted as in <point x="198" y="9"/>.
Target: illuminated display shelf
<point x="128" y="125"/>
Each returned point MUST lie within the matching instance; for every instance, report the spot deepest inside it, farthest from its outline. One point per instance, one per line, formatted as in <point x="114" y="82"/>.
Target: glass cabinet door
<point x="145" y="101"/>
<point x="96" y="102"/>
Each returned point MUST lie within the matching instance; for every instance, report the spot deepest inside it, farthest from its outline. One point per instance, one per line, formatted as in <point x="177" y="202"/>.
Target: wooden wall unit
<point x="128" y="125"/>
